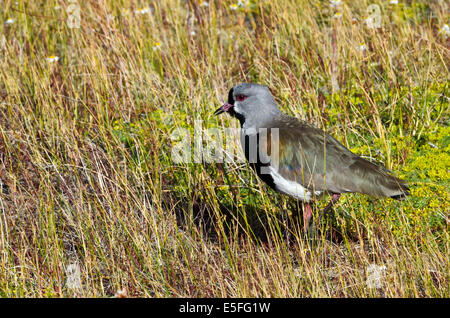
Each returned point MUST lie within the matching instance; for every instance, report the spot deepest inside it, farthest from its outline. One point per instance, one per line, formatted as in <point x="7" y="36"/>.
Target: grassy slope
<point x="88" y="185"/>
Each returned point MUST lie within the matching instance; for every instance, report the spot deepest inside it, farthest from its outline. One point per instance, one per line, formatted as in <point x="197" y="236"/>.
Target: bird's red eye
<point x="240" y="98"/>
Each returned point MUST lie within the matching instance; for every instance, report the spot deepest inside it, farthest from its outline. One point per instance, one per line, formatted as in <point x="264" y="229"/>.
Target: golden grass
<point x="92" y="204"/>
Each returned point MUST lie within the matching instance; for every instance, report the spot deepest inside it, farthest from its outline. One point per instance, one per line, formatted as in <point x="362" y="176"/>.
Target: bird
<point x="297" y="159"/>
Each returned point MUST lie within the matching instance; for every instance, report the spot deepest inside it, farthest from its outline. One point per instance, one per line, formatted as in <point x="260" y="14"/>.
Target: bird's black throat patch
<point x="250" y="146"/>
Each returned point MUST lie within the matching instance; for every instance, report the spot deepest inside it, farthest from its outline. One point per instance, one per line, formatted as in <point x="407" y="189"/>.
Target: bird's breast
<point x="260" y="161"/>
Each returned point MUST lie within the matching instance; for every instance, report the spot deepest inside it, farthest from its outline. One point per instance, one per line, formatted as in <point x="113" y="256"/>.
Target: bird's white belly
<point x="291" y="188"/>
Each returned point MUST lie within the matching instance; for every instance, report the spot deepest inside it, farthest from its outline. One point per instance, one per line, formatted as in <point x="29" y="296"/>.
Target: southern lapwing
<point x="310" y="162"/>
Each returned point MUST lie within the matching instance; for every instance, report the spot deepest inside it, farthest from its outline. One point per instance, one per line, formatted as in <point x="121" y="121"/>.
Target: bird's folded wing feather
<point x="317" y="161"/>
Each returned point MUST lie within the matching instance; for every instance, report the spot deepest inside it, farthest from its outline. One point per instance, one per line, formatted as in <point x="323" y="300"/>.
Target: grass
<point x="92" y="203"/>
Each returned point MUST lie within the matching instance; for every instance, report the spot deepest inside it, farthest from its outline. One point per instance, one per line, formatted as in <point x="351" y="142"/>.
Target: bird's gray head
<point x="252" y="104"/>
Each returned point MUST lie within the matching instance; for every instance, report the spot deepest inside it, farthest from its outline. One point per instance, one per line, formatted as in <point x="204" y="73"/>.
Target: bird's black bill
<point x="225" y="108"/>
<point x="219" y="111"/>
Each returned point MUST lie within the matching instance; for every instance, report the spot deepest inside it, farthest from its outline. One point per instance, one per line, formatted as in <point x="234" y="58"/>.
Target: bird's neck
<point x="252" y="125"/>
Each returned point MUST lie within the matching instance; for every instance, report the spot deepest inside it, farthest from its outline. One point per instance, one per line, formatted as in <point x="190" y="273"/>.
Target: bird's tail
<point x="378" y="182"/>
<point x="405" y="192"/>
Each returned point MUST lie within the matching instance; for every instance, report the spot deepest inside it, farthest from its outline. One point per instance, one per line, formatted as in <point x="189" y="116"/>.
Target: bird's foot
<point x="333" y="201"/>
<point x="307" y="214"/>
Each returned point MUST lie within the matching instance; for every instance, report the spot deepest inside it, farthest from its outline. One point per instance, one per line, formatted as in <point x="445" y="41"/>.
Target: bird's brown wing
<point x="319" y="162"/>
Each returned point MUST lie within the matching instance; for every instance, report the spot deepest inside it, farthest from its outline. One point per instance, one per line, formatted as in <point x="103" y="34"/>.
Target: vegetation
<point x="92" y="203"/>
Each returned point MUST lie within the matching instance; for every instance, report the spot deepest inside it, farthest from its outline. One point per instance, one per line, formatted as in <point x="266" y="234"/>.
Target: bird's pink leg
<point x="307" y="214"/>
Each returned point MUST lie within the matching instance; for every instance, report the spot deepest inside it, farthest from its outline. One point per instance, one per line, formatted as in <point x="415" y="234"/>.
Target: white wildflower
<point x="52" y="58"/>
<point x="335" y="3"/>
<point x="362" y="47"/>
<point x="445" y="30"/>
<point x="143" y="11"/>
<point x="243" y="3"/>
<point x="9" y="21"/>
<point x="156" y="46"/>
